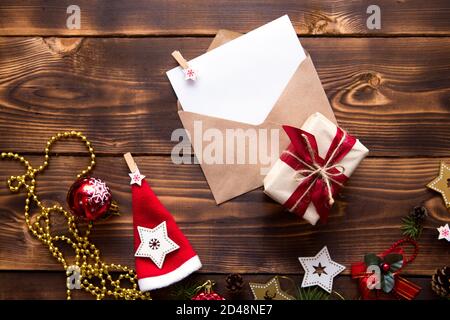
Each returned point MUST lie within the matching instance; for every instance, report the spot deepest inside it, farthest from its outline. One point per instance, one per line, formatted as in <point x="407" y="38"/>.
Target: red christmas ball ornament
<point x="207" y="293"/>
<point x="89" y="198"/>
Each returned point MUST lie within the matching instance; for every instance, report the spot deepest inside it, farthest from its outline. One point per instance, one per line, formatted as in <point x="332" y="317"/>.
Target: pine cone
<point x="440" y="282"/>
<point x="419" y="213"/>
<point x="235" y="283"/>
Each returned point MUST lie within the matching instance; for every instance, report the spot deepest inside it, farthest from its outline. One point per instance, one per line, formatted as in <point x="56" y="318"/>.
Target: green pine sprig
<point x="313" y="293"/>
<point x="184" y="290"/>
<point x="411" y="227"/>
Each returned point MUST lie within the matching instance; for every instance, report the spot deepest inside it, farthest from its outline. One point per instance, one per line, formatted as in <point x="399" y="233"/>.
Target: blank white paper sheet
<point x="242" y="79"/>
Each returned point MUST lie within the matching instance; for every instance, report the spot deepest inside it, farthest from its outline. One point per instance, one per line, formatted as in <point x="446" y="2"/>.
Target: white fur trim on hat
<point x="151" y="283"/>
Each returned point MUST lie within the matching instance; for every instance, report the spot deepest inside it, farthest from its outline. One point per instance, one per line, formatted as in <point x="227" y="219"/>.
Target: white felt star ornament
<point x="136" y="177"/>
<point x="155" y="244"/>
<point x="444" y="232"/>
<point x="320" y="270"/>
<point x="190" y="74"/>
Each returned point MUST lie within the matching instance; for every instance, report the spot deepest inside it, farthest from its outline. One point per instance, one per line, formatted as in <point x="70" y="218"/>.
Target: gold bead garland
<point x="87" y="256"/>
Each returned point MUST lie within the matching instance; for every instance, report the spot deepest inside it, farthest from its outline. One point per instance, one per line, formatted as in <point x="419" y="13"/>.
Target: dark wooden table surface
<point x="389" y="87"/>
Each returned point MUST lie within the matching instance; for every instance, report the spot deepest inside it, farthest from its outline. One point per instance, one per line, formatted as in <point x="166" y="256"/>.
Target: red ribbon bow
<point x="320" y="178"/>
<point x="402" y="288"/>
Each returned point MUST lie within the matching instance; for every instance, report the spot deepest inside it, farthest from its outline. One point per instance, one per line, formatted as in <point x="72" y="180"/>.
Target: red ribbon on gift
<point x="403" y="288"/>
<point x="320" y="178"/>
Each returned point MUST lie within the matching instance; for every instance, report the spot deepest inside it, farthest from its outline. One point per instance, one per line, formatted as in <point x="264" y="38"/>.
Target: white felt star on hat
<point x="155" y="244"/>
<point x="136" y="177"/>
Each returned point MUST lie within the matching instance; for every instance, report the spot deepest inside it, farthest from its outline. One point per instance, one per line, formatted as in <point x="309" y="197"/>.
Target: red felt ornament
<point x="89" y="198"/>
<point x="207" y="292"/>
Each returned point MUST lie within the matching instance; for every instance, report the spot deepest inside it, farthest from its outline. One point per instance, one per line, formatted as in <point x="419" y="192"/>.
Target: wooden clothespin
<point x="189" y="72"/>
<point x="135" y="175"/>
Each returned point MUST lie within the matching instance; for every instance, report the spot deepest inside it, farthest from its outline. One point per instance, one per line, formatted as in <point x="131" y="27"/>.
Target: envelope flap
<point x="303" y="96"/>
<point x="223" y="36"/>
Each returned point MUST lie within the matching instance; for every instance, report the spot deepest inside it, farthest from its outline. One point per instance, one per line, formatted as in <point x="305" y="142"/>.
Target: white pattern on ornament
<point x="99" y="191"/>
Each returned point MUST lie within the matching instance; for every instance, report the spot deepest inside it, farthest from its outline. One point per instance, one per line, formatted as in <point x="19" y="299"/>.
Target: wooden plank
<point x="203" y="17"/>
<point x="391" y="93"/>
<point x="250" y="234"/>
<point x="32" y="286"/>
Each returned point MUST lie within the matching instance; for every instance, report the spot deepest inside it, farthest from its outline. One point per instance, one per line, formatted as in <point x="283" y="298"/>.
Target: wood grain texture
<point x="204" y="17"/>
<point x="250" y="234"/>
<point x="389" y="87"/>
<point x="393" y="94"/>
<point x="50" y="286"/>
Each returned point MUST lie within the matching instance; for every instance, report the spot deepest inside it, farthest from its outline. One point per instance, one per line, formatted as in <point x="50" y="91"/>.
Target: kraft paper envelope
<point x="302" y="97"/>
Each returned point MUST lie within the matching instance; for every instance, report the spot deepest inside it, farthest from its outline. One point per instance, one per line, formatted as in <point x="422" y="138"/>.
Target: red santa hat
<point x="163" y="254"/>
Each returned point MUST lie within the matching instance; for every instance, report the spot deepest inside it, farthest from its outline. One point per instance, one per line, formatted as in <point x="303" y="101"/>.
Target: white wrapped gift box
<point x="280" y="183"/>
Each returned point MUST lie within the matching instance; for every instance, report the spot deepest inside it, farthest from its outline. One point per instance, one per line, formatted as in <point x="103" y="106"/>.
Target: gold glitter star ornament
<point x="442" y="183"/>
<point x="269" y="291"/>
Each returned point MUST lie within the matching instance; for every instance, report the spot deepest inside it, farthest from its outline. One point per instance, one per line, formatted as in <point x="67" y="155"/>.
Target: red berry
<point x="385" y="266"/>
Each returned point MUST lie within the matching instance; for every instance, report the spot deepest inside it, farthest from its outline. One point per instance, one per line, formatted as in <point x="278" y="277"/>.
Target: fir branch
<point x="184" y="291"/>
<point x="411" y="227"/>
<point x="314" y="293"/>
